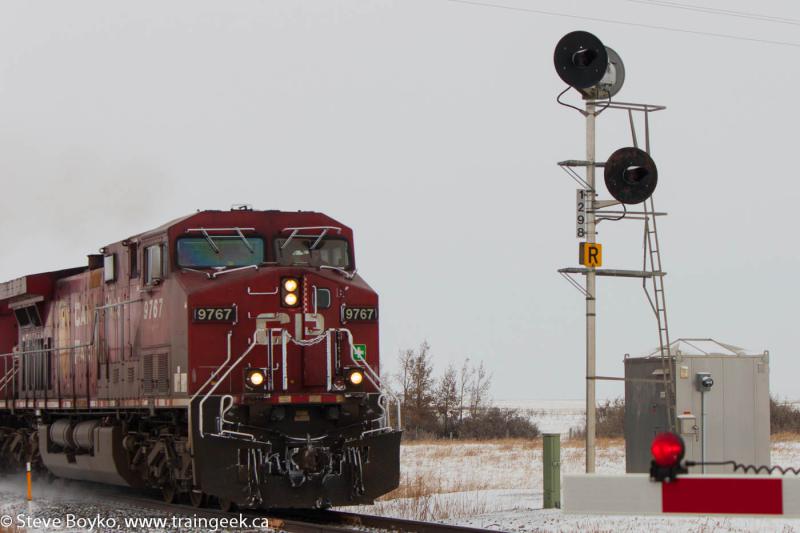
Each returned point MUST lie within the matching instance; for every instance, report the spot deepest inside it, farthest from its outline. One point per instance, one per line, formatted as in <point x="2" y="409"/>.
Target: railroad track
<point x="309" y="520"/>
<point x="365" y="522"/>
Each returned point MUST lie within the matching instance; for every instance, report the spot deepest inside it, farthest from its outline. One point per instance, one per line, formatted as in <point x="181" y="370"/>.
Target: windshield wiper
<point x="210" y="241"/>
<point x="245" y="241"/>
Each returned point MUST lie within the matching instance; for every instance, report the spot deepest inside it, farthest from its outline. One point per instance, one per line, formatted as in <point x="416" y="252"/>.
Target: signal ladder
<point x="658" y="302"/>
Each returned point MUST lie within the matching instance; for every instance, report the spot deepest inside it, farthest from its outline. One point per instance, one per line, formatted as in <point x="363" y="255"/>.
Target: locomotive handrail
<point x="187" y="269"/>
<point x="251" y="292"/>
<point x="285" y="336"/>
<point x="225" y="405"/>
<point x="221" y="379"/>
<point x="237" y="269"/>
<point x="375" y="379"/>
<point x="345" y="273"/>
<point x="8" y="377"/>
<point x="64" y="348"/>
<point x="214" y="372"/>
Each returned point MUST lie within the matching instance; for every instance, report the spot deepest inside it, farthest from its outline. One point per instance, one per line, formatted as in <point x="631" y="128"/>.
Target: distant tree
<point x="405" y="361"/>
<point x="464" y="379"/>
<point x="418" y="387"/>
<point x="446" y="399"/>
<point x="421" y="392"/>
<point x="479" y="389"/>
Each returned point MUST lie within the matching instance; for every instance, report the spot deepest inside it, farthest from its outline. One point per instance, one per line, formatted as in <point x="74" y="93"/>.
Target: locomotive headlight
<point x="290" y="287"/>
<point x="255" y="378"/>
<point x="356" y="377"/>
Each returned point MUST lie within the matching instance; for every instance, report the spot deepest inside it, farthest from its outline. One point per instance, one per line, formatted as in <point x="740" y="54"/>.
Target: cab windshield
<point x="298" y="251"/>
<point x="216" y="252"/>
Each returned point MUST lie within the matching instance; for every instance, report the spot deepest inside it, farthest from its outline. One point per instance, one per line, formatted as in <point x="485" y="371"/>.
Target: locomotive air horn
<point x="631" y="175"/>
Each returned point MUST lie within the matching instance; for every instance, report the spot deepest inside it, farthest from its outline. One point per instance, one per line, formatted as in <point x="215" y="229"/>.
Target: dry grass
<point x="475" y="442"/>
<point x="602" y="442"/>
<point x="535" y="443"/>
<point x="434" y="508"/>
<point x="423" y="485"/>
<point x="419" y="497"/>
<point x="785" y="437"/>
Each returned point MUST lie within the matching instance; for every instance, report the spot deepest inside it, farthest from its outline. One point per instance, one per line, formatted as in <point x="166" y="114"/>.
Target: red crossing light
<point x="667" y="450"/>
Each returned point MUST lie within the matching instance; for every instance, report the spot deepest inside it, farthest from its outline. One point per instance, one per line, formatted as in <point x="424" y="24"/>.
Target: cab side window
<point x="154" y="264"/>
<point x="133" y="259"/>
<point x="110" y="268"/>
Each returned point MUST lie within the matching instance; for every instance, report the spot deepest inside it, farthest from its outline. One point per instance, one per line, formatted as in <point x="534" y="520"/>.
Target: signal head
<point x="580" y="59"/>
<point x="631" y="175"/>
<point x="583" y="62"/>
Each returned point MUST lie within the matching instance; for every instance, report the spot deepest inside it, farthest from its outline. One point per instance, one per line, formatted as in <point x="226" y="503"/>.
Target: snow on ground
<point x="551" y="416"/>
<point x="76" y="507"/>
<point x="498" y="485"/>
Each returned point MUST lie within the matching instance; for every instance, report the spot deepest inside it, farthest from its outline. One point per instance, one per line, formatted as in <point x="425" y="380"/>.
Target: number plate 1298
<point x="214" y="314"/>
<point x="359" y="314"/>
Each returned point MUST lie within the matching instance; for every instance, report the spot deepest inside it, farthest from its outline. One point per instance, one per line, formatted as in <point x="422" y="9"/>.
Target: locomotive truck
<point x="225" y="354"/>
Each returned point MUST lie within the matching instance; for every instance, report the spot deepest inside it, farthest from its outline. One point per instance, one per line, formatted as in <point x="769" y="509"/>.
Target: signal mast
<point x="630" y="174"/>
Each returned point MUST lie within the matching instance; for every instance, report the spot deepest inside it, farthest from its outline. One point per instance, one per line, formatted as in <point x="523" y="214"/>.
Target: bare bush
<point x="493" y="423"/>
<point x="455" y="405"/>
<point x="610" y="420"/>
<point x="784" y="417"/>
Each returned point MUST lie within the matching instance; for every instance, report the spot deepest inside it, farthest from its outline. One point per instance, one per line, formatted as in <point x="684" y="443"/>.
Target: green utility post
<point x="551" y="457"/>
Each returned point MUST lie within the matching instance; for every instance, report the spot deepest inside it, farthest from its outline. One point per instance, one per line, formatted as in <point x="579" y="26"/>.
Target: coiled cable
<point x="748" y="468"/>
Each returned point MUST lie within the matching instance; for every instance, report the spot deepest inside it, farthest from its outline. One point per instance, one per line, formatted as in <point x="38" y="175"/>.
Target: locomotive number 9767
<point x="359" y="314"/>
<point x="214" y="314"/>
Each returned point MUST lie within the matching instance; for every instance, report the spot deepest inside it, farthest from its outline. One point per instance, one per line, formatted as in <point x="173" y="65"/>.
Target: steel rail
<point x="342" y="518"/>
<point x="301" y="520"/>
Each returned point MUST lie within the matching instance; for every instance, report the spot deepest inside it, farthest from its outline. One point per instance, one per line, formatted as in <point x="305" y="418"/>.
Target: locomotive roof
<point x="232" y="212"/>
<point x="41" y="284"/>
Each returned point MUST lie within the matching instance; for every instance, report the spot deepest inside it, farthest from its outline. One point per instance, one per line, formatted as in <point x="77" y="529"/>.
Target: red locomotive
<point x="231" y="354"/>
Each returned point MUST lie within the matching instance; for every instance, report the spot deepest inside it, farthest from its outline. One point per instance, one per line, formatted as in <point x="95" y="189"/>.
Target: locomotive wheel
<point x="169" y="493"/>
<point x="198" y="499"/>
<point x="226" y="505"/>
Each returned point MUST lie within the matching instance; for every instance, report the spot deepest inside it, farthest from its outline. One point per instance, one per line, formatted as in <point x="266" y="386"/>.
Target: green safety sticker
<point x="359" y="352"/>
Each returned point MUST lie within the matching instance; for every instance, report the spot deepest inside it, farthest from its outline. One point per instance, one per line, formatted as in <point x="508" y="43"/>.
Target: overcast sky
<point x="431" y="128"/>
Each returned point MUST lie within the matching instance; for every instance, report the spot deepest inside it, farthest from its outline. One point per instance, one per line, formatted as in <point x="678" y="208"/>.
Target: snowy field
<point x="498" y="485"/>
